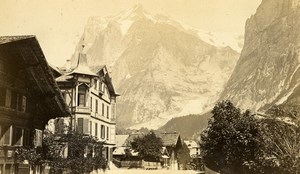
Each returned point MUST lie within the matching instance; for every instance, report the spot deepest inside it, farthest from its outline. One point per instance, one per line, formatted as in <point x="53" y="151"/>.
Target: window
<point x="18" y="136"/>
<point x="8" y="98"/>
<point x="96" y="129"/>
<point x="102" y="131"/>
<point x="81" y="95"/>
<point x="91" y="127"/>
<point x="107" y="110"/>
<point x="95" y="84"/>
<point x="83" y="126"/>
<point x="23" y="103"/>
<point x="80" y="125"/>
<point x="38" y="138"/>
<point x="91" y="104"/>
<point x="26" y="137"/>
<point x="100" y="86"/>
<point x="14" y="100"/>
<point x="81" y="99"/>
<point x="96" y="106"/>
<point x="2" y="96"/>
<point x="102" y="109"/>
<point x="107" y="133"/>
<point x="6" y="135"/>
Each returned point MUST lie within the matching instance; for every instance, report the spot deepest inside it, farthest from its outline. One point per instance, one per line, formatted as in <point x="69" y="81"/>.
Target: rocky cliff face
<point x="161" y="68"/>
<point x="268" y="70"/>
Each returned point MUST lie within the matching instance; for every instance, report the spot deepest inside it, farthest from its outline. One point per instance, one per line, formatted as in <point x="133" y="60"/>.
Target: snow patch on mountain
<point x="161" y="68"/>
<point x="223" y="39"/>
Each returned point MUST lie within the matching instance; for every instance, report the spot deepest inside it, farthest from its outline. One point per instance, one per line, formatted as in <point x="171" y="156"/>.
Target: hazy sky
<point x="58" y="24"/>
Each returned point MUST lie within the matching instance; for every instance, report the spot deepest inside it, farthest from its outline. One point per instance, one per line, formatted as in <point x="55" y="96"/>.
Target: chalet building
<point x="91" y="97"/>
<point x="29" y="98"/>
<point x="193" y="147"/>
<point x="172" y="144"/>
<point x="124" y="156"/>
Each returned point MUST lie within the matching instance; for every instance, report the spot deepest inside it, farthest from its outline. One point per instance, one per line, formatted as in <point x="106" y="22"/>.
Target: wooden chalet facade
<point x="29" y="98"/>
<point x="172" y="143"/>
<point x="91" y="97"/>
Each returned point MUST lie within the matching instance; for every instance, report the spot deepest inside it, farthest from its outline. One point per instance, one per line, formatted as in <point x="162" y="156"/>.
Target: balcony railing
<point x="83" y="109"/>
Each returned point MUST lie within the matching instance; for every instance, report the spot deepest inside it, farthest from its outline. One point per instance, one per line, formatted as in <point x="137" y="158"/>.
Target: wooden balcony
<point x="83" y="109"/>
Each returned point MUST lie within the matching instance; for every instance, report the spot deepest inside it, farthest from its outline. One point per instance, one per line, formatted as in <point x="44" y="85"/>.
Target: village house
<point x="91" y="97"/>
<point x="172" y="143"/>
<point x="29" y="98"/>
<point x="126" y="157"/>
<point x="123" y="155"/>
<point x="193" y="147"/>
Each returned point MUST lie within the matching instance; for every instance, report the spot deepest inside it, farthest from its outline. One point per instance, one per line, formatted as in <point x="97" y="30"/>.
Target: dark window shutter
<point x="85" y="126"/>
<point x="8" y="98"/>
<point x="80" y="125"/>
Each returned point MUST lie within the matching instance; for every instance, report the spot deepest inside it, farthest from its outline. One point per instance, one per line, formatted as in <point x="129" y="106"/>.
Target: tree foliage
<point x="73" y="152"/>
<point x="237" y="142"/>
<point x="281" y="147"/>
<point x="231" y="140"/>
<point x="184" y="156"/>
<point x="149" y="147"/>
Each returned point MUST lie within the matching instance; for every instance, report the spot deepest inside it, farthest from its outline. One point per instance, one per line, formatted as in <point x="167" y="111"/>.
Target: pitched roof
<point x="25" y="52"/>
<point x="102" y="71"/>
<point x="82" y="66"/>
<point x="120" y="140"/>
<point x="191" y="144"/>
<point x="169" y="139"/>
<point x="7" y="39"/>
<point x="131" y="137"/>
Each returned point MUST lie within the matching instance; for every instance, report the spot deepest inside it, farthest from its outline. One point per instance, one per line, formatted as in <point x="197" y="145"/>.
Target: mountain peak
<point x="138" y="9"/>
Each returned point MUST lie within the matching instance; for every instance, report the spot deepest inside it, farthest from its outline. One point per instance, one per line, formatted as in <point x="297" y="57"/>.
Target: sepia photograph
<point x="150" y="87"/>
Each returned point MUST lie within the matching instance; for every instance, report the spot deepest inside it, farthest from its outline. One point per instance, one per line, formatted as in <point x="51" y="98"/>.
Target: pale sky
<point x="59" y="24"/>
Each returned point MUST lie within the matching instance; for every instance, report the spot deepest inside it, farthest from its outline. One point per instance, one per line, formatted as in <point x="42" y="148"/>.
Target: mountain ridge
<point x="267" y="72"/>
<point x="159" y="68"/>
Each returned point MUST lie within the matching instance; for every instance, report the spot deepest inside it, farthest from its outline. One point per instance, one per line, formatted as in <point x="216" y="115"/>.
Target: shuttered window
<point x="80" y="125"/>
<point x="102" y="131"/>
<point x="91" y="128"/>
<point x="6" y="135"/>
<point x="107" y="133"/>
<point x="91" y="104"/>
<point x="83" y="126"/>
<point x="26" y="137"/>
<point x="2" y="96"/>
<point x="8" y="98"/>
<point x="107" y="111"/>
<point x="82" y="95"/>
<point x="24" y="104"/>
<point x="96" y="106"/>
<point x="14" y="100"/>
<point x="103" y="109"/>
<point x="95" y="84"/>
<point x="18" y="136"/>
<point x="38" y="138"/>
<point x="96" y="129"/>
<point x="20" y="102"/>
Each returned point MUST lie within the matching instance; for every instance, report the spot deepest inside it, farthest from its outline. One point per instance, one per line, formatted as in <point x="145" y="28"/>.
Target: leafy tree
<point x="149" y="147"/>
<point x="281" y="147"/>
<point x="231" y="140"/>
<point x="277" y="111"/>
<point x="73" y="152"/>
<point x="184" y="156"/>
